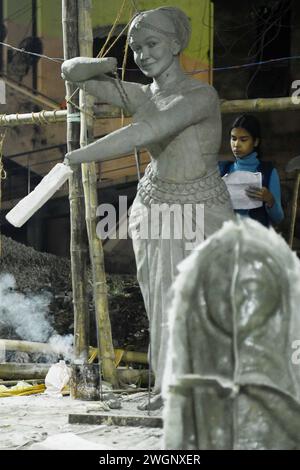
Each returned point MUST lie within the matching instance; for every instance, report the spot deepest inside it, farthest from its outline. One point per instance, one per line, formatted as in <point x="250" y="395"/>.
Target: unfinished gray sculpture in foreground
<point x="231" y="382"/>
<point x="177" y="118"/>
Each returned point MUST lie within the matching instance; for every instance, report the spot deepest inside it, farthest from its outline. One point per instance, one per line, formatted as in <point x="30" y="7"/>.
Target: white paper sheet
<point x="237" y="183"/>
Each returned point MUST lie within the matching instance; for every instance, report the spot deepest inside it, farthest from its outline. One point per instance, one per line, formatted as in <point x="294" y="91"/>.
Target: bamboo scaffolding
<point x="294" y="209"/>
<point x="258" y="105"/>
<point x="89" y="179"/>
<point x="79" y="251"/>
<point x="25" y="346"/>
<point x="45" y="348"/>
<point x="24" y="371"/>
<point x="40" y="118"/>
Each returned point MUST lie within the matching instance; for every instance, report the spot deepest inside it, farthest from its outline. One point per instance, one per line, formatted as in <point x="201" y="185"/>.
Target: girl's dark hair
<point x="250" y="123"/>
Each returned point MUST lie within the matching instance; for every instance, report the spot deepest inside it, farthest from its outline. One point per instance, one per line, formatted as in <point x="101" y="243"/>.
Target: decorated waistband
<point x="209" y="190"/>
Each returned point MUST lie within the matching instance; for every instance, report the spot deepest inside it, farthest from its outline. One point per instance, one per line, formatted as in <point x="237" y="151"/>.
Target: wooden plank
<point x="116" y="420"/>
<point x="18" y="371"/>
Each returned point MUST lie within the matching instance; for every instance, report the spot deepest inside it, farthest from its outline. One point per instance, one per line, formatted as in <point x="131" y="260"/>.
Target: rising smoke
<point x="27" y="316"/>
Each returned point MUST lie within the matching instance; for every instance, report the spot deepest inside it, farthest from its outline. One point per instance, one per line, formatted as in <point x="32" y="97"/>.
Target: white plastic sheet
<point x="40" y="195"/>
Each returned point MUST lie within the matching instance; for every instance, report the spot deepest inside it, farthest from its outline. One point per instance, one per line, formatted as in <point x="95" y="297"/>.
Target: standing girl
<point x="245" y="137"/>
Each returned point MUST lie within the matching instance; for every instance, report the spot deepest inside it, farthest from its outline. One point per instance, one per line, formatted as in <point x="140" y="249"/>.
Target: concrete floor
<point x="40" y="422"/>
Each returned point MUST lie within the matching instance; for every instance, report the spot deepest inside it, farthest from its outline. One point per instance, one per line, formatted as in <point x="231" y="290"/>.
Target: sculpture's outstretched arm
<point x="182" y="112"/>
<point x="91" y="74"/>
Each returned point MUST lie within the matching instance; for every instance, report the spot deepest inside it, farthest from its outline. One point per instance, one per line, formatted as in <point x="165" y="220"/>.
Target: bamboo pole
<point x="259" y="105"/>
<point x="45" y="348"/>
<point x="78" y="230"/>
<point x="24" y="371"/>
<point x="89" y="178"/>
<point x="26" y="346"/>
<point x="52" y="117"/>
<point x="294" y="209"/>
<point x="39" y="118"/>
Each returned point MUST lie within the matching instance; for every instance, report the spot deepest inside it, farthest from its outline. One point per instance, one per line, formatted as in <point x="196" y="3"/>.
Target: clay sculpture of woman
<point x="177" y="119"/>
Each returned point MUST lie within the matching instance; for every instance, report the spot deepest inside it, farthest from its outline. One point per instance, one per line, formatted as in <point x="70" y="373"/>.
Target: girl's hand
<point x="262" y="194"/>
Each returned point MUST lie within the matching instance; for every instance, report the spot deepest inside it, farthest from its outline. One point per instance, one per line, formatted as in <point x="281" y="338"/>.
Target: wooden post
<point x="89" y="177"/>
<point x="294" y="209"/>
<point x="79" y="250"/>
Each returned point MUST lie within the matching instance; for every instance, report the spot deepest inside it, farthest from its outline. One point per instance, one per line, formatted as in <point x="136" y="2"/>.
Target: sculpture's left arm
<point x="170" y="119"/>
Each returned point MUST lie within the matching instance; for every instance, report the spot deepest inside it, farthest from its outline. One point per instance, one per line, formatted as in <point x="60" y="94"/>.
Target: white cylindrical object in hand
<point x="40" y="195"/>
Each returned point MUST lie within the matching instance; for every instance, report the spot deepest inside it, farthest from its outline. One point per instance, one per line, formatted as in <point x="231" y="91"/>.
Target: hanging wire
<point x="42" y="56"/>
<point x="271" y="23"/>
<point x="251" y="64"/>
<point x="258" y="21"/>
<point x="216" y="69"/>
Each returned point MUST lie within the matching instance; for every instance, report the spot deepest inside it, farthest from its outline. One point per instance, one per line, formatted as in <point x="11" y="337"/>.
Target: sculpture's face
<point x="152" y="38"/>
<point x="153" y="53"/>
<point x="242" y="143"/>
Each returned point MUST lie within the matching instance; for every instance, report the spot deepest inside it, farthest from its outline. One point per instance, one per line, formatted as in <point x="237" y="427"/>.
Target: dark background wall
<point x="253" y="31"/>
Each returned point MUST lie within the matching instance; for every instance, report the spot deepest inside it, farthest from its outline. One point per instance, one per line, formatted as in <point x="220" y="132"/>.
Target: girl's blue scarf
<point x="248" y="163"/>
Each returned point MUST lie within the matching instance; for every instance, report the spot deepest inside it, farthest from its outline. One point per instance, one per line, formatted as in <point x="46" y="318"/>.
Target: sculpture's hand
<point x="68" y="160"/>
<point x="80" y="69"/>
<point x="76" y="157"/>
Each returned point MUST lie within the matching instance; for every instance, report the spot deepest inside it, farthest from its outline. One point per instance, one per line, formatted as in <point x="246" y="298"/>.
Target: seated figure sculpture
<point x="231" y="381"/>
<point x="177" y="119"/>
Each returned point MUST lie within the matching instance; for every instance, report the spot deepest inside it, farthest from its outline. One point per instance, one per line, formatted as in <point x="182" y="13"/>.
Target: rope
<point x="124" y="69"/>
<point x="43" y="120"/>
<point x="117" y="38"/>
<point x="112" y="29"/>
<point x="102" y="54"/>
<point x="134" y="4"/>
<point x="79" y="108"/>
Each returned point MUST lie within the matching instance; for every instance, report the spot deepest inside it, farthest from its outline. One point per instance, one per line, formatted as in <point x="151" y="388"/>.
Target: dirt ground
<point x="39" y="273"/>
<point x="40" y="422"/>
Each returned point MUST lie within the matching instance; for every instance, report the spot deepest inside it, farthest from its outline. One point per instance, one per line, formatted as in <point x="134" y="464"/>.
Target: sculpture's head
<point x="157" y="37"/>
